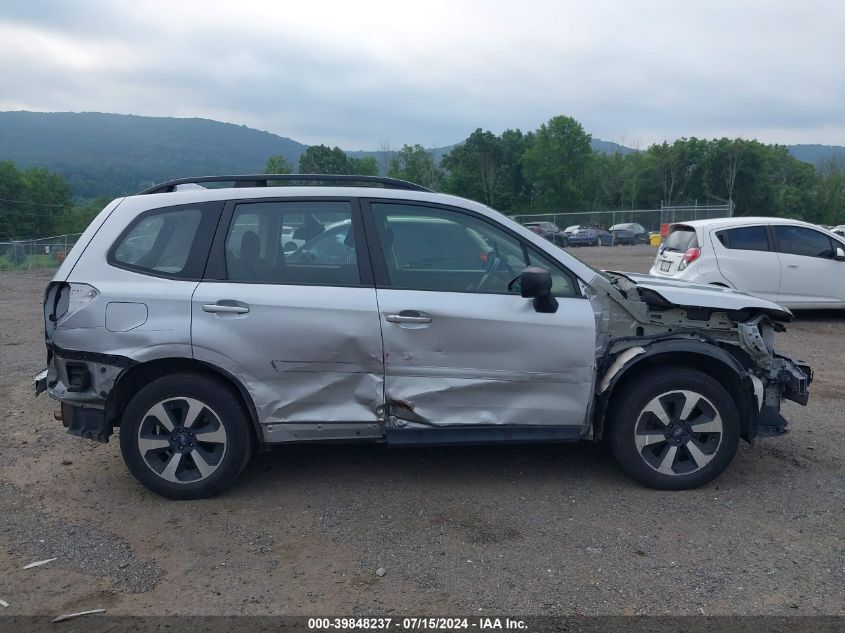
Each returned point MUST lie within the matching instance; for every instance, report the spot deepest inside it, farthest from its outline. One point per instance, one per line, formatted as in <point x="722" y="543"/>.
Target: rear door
<point x="462" y="348"/>
<point x="810" y="276"/>
<point x="747" y="259"/>
<point x="289" y="308"/>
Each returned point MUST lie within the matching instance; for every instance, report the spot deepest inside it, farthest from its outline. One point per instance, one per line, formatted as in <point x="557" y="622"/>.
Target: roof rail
<point x="263" y="180"/>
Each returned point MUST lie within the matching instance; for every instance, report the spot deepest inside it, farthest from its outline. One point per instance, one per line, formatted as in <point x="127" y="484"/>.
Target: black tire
<point x="220" y="407"/>
<point x="630" y="423"/>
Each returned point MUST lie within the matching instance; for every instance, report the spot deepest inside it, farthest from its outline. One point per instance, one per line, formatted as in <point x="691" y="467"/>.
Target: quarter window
<point x="292" y="243"/>
<point x="799" y="240"/>
<point x="746" y="238"/>
<point x="171" y="242"/>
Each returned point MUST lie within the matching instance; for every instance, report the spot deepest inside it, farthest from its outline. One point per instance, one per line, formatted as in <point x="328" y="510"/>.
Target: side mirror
<point x="536" y="283"/>
<point x="840" y="254"/>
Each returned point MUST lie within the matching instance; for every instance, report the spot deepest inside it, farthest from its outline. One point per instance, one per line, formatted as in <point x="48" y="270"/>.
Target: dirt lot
<point x="522" y="529"/>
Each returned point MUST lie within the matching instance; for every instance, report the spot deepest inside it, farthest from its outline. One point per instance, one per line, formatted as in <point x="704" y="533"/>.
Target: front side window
<point x="799" y="240"/>
<point x="562" y="284"/>
<point x="746" y="238"/>
<point x="162" y="242"/>
<point x="292" y="243"/>
<point x="427" y="248"/>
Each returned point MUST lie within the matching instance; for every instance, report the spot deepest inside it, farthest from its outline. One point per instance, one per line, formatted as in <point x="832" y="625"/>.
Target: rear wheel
<point x="186" y="436"/>
<point x="674" y="428"/>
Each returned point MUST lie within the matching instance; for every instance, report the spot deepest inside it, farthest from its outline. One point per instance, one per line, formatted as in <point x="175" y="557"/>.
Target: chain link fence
<point x="44" y="252"/>
<point x="651" y="219"/>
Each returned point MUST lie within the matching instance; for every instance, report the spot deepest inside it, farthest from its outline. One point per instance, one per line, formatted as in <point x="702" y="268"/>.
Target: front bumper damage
<point x="635" y="323"/>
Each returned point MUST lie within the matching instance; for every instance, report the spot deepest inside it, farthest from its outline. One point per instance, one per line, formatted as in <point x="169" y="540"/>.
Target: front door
<point x="460" y="347"/>
<point x="290" y="313"/>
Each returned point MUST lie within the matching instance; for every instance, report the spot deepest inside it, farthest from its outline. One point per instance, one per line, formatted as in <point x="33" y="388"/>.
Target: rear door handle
<point x="226" y="307"/>
<point x="406" y="317"/>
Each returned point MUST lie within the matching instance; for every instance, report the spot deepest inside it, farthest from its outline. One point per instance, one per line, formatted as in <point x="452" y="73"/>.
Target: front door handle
<point x="228" y="307"/>
<point x="407" y="317"/>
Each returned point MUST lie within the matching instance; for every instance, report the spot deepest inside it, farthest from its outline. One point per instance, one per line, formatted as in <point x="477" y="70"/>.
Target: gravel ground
<point x="554" y="529"/>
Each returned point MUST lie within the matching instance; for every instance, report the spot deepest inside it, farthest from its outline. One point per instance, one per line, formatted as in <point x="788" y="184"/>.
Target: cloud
<point x="359" y="74"/>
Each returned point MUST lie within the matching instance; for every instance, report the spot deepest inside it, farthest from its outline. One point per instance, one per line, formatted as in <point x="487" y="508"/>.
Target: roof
<point x="716" y="223"/>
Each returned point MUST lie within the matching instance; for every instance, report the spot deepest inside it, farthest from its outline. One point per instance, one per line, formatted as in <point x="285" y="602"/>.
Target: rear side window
<point x="170" y="242"/>
<point x="799" y="240"/>
<point x="680" y="239"/>
<point x="295" y="242"/>
<point x="746" y="238"/>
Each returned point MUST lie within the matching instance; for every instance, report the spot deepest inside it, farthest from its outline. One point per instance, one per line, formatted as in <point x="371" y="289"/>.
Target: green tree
<point x="475" y="168"/>
<point x="557" y="162"/>
<point x="321" y="159"/>
<point x="33" y="202"/>
<point x="278" y="165"/>
<point x="77" y="218"/>
<point x="414" y="163"/>
<point x="367" y="166"/>
<point x="828" y="205"/>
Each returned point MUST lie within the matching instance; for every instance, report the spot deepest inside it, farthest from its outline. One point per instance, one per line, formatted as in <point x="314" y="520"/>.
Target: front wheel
<point x="673" y="428"/>
<point x="186" y="436"/>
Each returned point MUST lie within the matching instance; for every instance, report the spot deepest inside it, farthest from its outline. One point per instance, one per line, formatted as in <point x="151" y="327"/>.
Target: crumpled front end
<point x="721" y="334"/>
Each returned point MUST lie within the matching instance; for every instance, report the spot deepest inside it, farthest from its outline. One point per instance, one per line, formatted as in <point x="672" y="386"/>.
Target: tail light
<point x="689" y="257"/>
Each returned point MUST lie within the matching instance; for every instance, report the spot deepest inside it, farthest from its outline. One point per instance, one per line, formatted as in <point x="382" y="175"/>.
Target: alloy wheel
<point x="182" y="440"/>
<point x="678" y="432"/>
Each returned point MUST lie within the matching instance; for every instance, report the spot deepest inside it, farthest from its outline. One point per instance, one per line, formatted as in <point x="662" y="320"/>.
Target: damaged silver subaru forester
<point x="207" y="322"/>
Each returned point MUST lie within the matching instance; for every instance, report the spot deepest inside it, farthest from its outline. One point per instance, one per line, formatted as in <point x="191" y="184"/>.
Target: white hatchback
<point x="793" y="263"/>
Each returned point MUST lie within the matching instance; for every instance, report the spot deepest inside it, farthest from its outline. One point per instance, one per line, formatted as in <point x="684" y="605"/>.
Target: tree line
<point x="37" y="202"/>
<point x="554" y="169"/>
<point x="550" y="169"/>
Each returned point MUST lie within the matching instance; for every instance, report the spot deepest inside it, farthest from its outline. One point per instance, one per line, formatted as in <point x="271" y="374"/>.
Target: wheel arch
<point x="134" y="378"/>
<point x="709" y="359"/>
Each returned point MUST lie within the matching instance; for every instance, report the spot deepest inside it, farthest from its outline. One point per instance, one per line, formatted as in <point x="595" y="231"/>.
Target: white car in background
<point x="839" y="230"/>
<point x="793" y="263"/>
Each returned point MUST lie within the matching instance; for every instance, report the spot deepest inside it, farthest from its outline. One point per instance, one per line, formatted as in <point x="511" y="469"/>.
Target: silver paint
<point x="312" y="356"/>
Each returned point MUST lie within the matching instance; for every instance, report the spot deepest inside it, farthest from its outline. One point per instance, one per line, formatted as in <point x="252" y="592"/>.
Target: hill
<point x="116" y="154"/>
<point x="818" y="155"/>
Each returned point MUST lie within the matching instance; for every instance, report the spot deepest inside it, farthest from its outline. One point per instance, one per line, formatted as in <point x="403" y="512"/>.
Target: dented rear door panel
<point x="486" y="359"/>
<point x="304" y="353"/>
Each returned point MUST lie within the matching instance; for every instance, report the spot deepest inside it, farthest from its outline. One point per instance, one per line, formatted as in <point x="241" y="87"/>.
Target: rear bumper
<point x="81" y="382"/>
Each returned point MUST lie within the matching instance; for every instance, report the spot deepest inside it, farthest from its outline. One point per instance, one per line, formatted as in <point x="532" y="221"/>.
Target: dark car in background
<point x="548" y="230"/>
<point x="586" y="235"/>
<point x="629" y="233"/>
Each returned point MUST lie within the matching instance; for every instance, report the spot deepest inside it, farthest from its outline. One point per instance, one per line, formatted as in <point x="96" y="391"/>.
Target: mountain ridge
<point x="115" y="154"/>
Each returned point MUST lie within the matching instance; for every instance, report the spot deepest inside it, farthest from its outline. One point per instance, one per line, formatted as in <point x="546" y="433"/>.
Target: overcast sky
<point x="360" y="74"/>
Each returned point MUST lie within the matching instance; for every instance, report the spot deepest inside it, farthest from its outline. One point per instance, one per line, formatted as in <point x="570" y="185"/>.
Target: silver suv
<point x="206" y="323"/>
